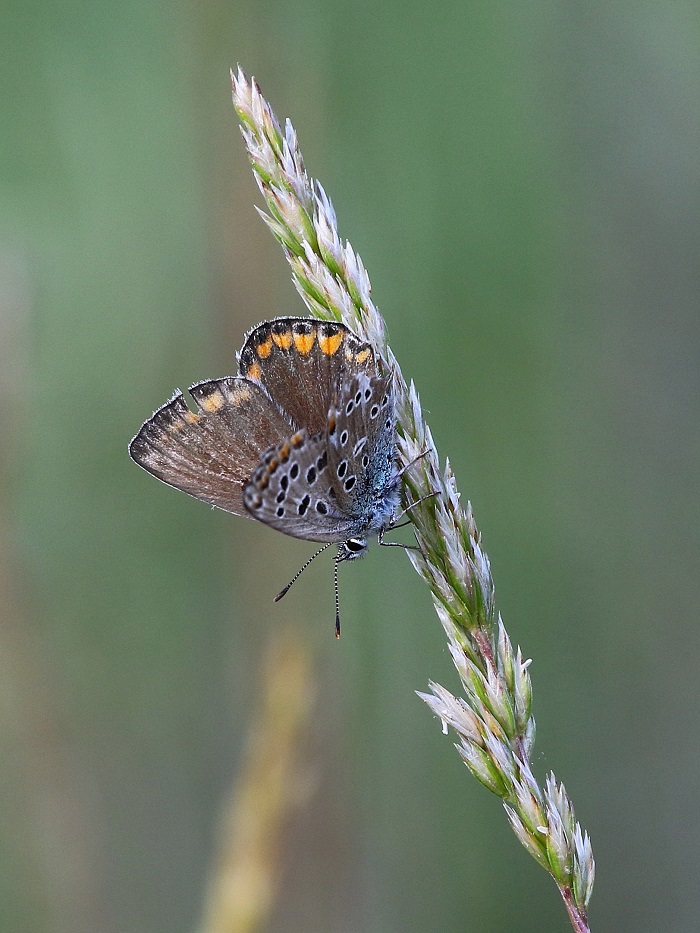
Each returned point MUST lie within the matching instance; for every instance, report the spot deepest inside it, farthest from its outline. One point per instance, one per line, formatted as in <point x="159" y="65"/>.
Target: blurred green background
<point x="522" y="182"/>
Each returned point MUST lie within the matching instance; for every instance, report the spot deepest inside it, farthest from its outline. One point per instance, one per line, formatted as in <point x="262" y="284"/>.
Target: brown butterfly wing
<point x="301" y="362"/>
<point x="211" y="452"/>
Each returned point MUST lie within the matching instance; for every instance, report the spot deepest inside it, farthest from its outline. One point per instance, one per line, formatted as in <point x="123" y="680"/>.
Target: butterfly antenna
<point x="337" y="594"/>
<point x="300" y="571"/>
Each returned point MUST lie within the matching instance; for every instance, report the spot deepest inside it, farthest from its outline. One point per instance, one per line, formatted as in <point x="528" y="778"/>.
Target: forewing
<point x="301" y="362"/>
<point x="212" y="452"/>
<point x="361" y="442"/>
<point x="291" y="491"/>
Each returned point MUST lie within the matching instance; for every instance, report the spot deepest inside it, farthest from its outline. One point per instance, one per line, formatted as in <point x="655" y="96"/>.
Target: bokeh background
<point x="522" y="182"/>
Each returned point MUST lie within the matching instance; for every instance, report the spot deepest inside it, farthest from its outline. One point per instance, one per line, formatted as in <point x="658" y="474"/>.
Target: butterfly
<point x="303" y="439"/>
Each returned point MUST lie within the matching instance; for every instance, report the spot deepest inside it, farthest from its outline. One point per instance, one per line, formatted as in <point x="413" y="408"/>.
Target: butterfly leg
<point x="412" y="506"/>
<point x="415" y="460"/>
<point x="406" y="547"/>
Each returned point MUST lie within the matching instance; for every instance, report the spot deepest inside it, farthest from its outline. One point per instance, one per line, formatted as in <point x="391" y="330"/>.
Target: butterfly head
<point x="352" y="549"/>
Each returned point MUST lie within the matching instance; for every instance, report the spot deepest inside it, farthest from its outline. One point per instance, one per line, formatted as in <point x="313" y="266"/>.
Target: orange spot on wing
<point x="297" y="439"/>
<point x="254" y="371"/>
<point x="264" y="349"/>
<point x="329" y="345"/>
<point x="283" y="340"/>
<point x="304" y="342"/>
<point x="284" y="453"/>
<point x="363" y="355"/>
<point x="240" y="395"/>
<point x="213" y="402"/>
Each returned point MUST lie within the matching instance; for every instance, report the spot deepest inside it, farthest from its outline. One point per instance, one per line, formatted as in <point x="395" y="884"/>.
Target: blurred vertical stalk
<point x="271" y="785"/>
<point x="493" y="719"/>
<point x="49" y="808"/>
